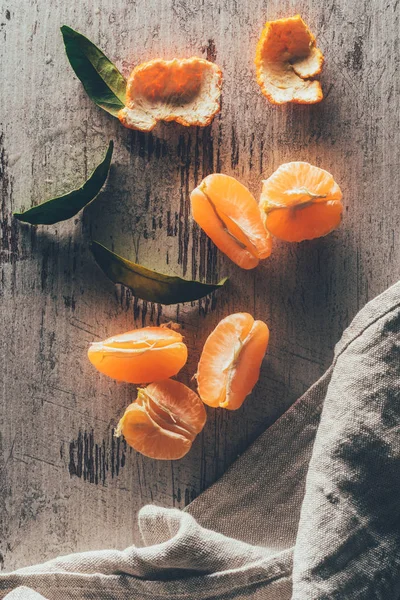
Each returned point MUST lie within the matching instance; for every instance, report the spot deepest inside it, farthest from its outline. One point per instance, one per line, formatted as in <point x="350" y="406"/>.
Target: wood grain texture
<point x="66" y="483"/>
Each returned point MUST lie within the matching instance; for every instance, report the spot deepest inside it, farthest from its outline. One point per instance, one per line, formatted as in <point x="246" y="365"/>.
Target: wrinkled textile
<point x="310" y="512"/>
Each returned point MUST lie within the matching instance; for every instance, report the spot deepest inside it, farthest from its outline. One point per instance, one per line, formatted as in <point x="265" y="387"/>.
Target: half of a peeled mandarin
<point x="230" y="363"/>
<point x="140" y="356"/>
<point x="163" y="421"/>
<point x="300" y="202"/>
<point x="287" y="59"/>
<point x="185" y="90"/>
<point x="228" y="213"/>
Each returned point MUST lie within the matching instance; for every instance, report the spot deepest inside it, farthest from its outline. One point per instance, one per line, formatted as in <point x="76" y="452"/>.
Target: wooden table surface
<point x="66" y="483"/>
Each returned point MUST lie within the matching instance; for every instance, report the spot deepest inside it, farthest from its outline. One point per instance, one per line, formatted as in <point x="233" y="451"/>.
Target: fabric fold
<point x="348" y="543"/>
<point x="315" y="497"/>
<point x="183" y="560"/>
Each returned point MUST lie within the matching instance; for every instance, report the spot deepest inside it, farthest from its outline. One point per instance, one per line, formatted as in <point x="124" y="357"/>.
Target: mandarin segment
<point x="228" y="213"/>
<point x="286" y="60"/>
<point x="247" y="371"/>
<point x="229" y="366"/>
<point x="163" y="421"/>
<point x="141" y="355"/>
<point x="300" y="202"/>
<point x="183" y="90"/>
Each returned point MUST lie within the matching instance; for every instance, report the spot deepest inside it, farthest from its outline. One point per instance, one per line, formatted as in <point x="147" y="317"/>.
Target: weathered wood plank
<point x="66" y="483"/>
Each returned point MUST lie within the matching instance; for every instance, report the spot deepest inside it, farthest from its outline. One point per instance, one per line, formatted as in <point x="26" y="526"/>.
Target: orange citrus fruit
<point x="184" y="90"/>
<point x="228" y="213"/>
<point x="230" y="363"/>
<point x="286" y="59"/>
<point x="141" y="355"/>
<point x="300" y="202"/>
<point x="163" y="421"/>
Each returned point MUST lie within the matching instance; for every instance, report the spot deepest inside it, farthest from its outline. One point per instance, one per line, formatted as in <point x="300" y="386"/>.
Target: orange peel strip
<point x="184" y="90"/>
<point x="286" y="60"/>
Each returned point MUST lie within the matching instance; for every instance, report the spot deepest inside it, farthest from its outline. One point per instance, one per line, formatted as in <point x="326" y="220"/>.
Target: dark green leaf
<point x="65" y="207"/>
<point x="147" y="284"/>
<point x="102" y="81"/>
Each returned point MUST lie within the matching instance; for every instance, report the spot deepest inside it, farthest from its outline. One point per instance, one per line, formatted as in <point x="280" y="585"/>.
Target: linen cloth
<point x="311" y="511"/>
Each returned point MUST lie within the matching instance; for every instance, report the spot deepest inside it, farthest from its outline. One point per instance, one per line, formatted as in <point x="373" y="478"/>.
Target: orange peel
<point x="300" y="202"/>
<point x="184" y="90"/>
<point x="286" y="60"/>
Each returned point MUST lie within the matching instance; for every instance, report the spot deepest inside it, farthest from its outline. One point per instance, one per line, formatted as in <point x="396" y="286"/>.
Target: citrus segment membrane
<point x="163" y="421"/>
<point x="300" y="202"/>
<point x="184" y="90"/>
<point x="228" y="213"/>
<point x="286" y="60"/>
<point x="141" y="355"/>
<point x="230" y="363"/>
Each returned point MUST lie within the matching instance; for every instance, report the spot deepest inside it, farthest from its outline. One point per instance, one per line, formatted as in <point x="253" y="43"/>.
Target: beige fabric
<point x="321" y="507"/>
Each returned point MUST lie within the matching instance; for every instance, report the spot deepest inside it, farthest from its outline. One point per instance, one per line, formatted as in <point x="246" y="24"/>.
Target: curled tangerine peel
<point x="228" y="213"/>
<point x="184" y="90"/>
<point x="141" y="355"/>
<point x="301" y="202"/>
<point x="286" y="60"/>
<point x="230" y="363"/>
<point x="163" y="421"/>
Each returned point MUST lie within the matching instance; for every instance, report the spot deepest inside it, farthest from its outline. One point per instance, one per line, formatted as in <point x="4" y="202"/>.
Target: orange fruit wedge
<point x="301" y="202"/>
<point x="286" y="60"/>
<point x="230" y="363"/>
<point x="163" y="421"/>
<point x="228" y="213"/>
<point x="141" y="355"/>
<point x="184" y="90"/>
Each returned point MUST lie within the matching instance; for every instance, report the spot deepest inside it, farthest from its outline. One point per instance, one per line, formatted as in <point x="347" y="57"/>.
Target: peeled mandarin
<point x="228" y="213"/>
<point x="301" y="202"/>
<point x="141" y="355"/>
<point x="230" y="363"/>
<point x="163" y="421"/>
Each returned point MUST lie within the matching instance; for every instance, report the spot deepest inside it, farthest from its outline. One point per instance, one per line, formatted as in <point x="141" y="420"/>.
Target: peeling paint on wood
<point x="57" y="413"/>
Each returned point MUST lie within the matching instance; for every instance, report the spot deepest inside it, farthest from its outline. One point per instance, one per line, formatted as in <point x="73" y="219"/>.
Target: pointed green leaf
<point x="102" y="81"/>
<point x="67" y="206"/>
<point x="147" y="284"/>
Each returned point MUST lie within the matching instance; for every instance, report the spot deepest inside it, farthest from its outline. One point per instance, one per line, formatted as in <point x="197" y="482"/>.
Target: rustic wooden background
<point x="66" y="483"/>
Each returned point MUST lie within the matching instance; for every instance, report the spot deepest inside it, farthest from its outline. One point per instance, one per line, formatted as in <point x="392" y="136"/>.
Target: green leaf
<point x="102" y="81"/>
<point x="64" y="207"/>
<point x="147" y="284"/>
